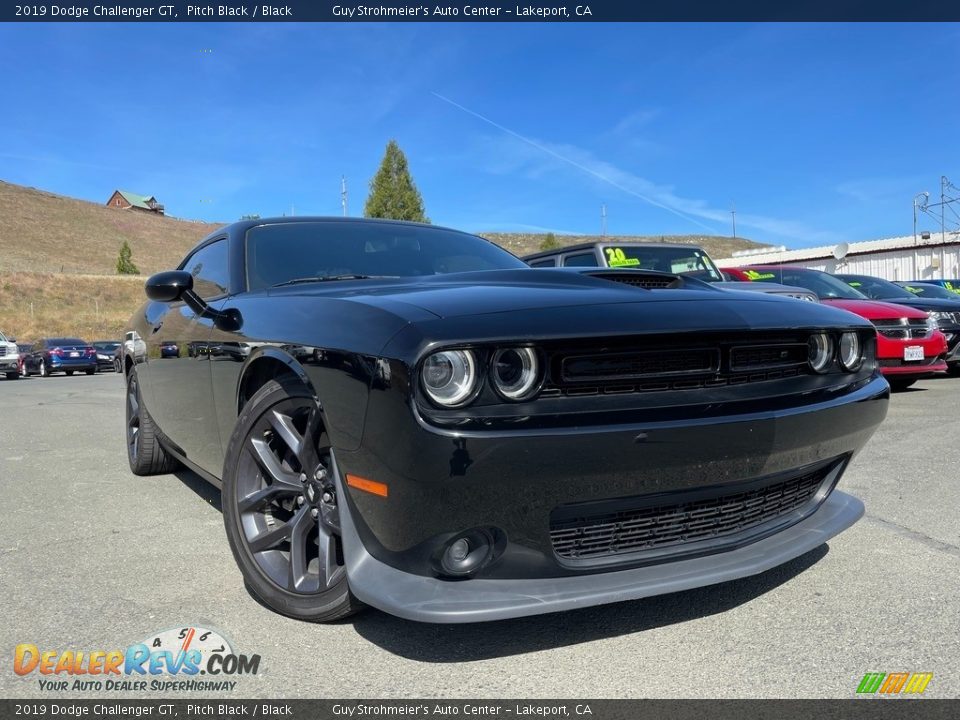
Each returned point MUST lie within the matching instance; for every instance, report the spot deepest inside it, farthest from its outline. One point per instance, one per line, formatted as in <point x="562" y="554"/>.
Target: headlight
<point x="516" y="373"/>
<point x="449" y="377"/>
<point x="943" y="318"/>
<point x="819" y="352"/>
<point x="851" y="354"/>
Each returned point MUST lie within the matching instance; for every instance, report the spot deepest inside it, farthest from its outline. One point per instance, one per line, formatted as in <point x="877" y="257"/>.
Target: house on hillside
<point x="127" y="200"/>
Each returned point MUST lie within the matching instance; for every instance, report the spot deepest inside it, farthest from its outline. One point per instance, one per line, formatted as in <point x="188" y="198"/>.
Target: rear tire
<point x="279" y="506"/>
<point x="144" y="452"/>
<point x="69" y="373"/>
<point x="90" y="372"/>
<point x="13" y="375"/>
<point x="897" y="384"/>
<point x="44" y="370"/>
<point x="953" y="370"/>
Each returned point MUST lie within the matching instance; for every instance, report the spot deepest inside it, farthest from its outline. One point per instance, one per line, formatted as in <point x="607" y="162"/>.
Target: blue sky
<point x="817" y="133"/>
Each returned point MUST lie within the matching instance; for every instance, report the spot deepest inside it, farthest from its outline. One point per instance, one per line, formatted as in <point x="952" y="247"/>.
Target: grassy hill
<point x="58" y="260"/>
<point x="92" y="307"/>
<point x="716" y="246"/>
<point x="43" y="232"/>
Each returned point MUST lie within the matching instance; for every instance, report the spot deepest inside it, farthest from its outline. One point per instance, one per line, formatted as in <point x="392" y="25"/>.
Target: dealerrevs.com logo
<point x="169" y="661"/>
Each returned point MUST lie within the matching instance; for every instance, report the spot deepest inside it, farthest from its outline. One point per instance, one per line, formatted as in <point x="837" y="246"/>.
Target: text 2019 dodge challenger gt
<point x="409" y="417"/>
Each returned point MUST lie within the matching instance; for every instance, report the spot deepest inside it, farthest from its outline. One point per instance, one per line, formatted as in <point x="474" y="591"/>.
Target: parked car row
<point x="50" y="355"/>
<point x="918" y="324"/>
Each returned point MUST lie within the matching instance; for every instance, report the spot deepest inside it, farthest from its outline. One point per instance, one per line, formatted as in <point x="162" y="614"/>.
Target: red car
<point x="909" y="345"/>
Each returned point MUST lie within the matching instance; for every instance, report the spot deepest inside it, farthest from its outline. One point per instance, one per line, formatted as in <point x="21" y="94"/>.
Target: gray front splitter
<point x="428" y="599"/>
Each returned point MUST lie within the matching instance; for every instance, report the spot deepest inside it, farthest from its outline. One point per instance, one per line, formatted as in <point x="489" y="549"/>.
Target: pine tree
<point x="125" y="264"/>
<point x="393" y="194"/>
<point x="550" y="242"/>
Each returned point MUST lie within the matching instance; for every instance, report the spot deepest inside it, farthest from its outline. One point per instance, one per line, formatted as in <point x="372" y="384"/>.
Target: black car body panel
<point x="680" y="396"/>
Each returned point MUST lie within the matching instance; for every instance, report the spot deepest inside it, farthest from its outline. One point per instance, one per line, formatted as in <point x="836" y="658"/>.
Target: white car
<point x="9" y="358"/>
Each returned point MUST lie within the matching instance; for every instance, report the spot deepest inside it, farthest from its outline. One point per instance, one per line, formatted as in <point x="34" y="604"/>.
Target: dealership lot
<point x="93" y="558"/>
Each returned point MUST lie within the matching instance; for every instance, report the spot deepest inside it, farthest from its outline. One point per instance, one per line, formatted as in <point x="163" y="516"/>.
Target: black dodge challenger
<point x="409" y="417"/>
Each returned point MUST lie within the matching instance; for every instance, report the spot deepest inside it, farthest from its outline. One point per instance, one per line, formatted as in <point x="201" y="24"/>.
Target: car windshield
<point x="285" y="252"/>
<point x="877" y="288"/>
<point x="681" y="261"/>
<point x="824" y="285"/>
<point x="24" y="348"/>
<point x="925" y="290"/>
<point x="56" y="342"/>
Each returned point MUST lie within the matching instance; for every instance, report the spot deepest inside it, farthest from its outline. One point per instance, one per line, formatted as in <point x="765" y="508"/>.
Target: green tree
<point x="125" y="264"/>
<point x="393" y="194"/>
<point x="550" y="242"/>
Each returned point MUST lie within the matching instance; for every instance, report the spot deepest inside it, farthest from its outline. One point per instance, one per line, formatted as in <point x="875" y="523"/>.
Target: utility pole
<point x="926" y="197"/>
<point x="603" y="220"/>
<point x="733" y="218"/>
<point x="943" y="207"/>
<point x="343" y="194"/>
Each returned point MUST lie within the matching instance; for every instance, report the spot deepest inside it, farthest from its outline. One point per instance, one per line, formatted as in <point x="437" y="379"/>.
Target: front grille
<point x="628" y="366"/>
<point x="755" y="357"/>
<point x="723" y="513"/>
<point x="903" y="328"/>
<point x="3" y="350"/>
<point x="659" y="364"/>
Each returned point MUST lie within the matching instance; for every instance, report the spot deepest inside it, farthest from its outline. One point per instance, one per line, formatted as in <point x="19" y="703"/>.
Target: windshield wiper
<point x="328" y="278"/>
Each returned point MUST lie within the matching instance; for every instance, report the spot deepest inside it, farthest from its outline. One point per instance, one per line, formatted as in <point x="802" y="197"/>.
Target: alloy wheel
<point x="286" y="500"/>
<point x="133" y="419"/>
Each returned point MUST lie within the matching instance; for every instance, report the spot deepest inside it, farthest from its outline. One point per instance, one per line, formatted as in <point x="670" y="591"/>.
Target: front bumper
<point x="9" y="364"/>
<point x="442" y="601"/>
<point x="441" y="484"/>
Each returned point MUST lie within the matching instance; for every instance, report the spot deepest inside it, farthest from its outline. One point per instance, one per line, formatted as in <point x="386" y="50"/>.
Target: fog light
<point x="459" y="550"/>
<point x="467" y="553"/>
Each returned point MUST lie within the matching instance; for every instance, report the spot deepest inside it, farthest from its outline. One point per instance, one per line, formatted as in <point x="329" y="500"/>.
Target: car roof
<point x="612" y="243"/>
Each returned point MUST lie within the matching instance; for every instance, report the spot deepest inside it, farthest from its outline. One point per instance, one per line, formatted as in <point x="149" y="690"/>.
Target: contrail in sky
<point x="574" y="163"/>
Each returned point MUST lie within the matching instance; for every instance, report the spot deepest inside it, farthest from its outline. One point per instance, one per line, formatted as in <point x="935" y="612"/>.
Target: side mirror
<point x="169" y="286"/>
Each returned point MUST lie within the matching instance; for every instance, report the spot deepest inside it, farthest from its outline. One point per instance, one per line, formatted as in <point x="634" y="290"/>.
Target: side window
<point x="208" y="265"/>
<point x="548" y="262"/>
<point x="588" y="259"/>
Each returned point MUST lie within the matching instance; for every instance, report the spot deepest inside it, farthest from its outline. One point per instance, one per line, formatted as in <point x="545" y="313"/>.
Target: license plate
<point x="76" y="354"/>
<point x="914" y="352"/>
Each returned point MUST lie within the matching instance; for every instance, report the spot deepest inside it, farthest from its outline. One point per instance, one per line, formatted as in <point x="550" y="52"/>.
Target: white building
<point x="900" y="258"/>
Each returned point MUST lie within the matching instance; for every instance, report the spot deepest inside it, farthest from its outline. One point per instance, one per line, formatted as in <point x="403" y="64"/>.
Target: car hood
<point x="563" y="303"/>
<point x="928" y="304"/>
<point x="504" y="291"/>
<point x="875" y="309"/>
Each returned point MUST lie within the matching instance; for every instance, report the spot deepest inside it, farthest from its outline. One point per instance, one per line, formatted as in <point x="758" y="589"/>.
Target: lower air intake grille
<point x="727" y="515"/>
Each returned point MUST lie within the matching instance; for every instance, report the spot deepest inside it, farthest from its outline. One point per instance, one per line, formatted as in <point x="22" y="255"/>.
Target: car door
<point x="181" y="399"/>
<point x="33" y="359"/>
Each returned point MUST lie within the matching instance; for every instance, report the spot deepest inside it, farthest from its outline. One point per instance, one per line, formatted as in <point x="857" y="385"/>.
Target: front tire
<point x="44" y="370"/>
<point x="144" y="452"/>
<point x="13" y="375"/>
<point x="90" y="372"/>
<point x="898" y="384"/>
<point x="279" y="506"/>
<point x="953" y="370"/>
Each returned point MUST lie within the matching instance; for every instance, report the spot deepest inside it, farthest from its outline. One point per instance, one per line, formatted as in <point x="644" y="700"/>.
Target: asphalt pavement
<point x="94" y="558"/>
